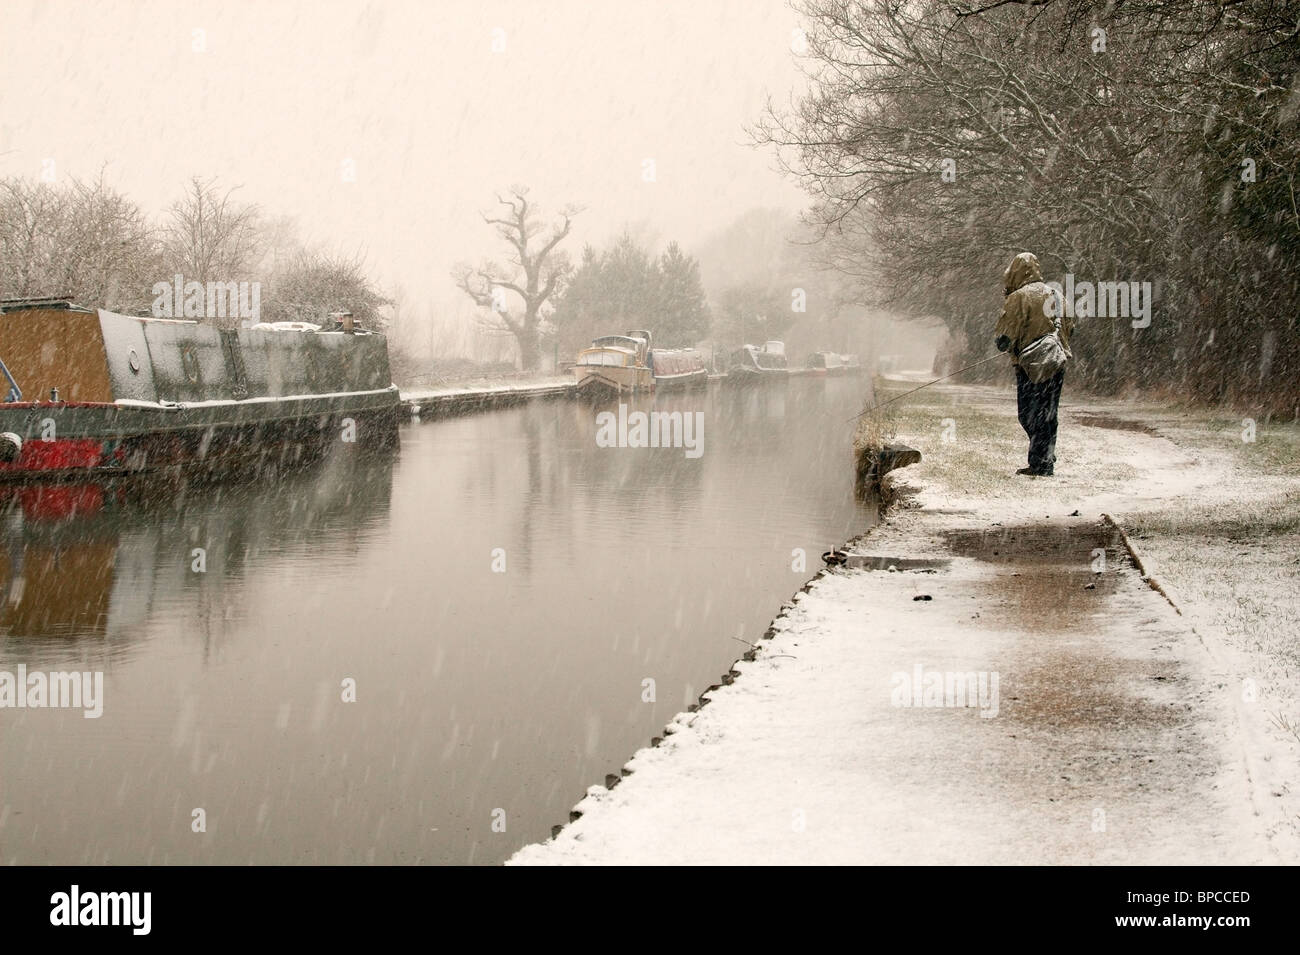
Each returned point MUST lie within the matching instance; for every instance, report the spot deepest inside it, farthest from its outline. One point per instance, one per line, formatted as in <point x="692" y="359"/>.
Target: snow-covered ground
<point x="1123" y="730"/>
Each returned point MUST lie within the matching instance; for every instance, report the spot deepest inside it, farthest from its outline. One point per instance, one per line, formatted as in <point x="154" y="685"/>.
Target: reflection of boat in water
<point x="751" y="364"/>
<point x="54" y="578"/>
<point x="90" y="390"/>
<point x="92" y="559"/>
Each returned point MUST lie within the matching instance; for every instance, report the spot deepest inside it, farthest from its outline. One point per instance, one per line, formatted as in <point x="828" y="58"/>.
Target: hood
<point x="1023" y="269"/>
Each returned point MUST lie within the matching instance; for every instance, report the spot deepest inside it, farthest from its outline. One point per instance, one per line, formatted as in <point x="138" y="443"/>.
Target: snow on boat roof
<point x="285" y="327"/>
<point x="148" y="318"/>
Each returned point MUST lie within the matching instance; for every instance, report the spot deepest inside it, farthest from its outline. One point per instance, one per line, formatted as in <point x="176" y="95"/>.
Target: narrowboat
<point x="751" y="364"/>
<point x="615" y="363"/>
<point x="850" y="365"/>
<point x="823" y="363"/>
<point x="677" y="369"/>
<point x="94" y="392"/>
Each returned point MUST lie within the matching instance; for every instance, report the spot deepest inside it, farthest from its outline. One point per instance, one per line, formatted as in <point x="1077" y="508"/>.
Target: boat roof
<point x="43" y="302"/>
<point x="624" y="341"/>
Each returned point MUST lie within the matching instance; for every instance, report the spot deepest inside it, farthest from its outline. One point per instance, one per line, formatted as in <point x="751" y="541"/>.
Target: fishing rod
<point x="926" y="385"/>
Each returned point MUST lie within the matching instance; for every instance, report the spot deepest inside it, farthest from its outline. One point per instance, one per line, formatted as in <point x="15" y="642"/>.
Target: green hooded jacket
<point x="1026" y="314"/>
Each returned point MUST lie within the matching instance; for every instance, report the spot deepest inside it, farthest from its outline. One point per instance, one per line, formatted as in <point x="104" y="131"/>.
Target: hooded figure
<point x="1027" y="315"/>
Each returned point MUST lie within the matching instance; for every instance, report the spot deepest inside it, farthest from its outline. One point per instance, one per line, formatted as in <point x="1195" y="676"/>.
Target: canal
<point x="425" y="659"/>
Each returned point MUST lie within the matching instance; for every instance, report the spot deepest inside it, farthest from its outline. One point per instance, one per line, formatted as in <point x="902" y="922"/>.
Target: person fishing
<point x="1033" y="328"/>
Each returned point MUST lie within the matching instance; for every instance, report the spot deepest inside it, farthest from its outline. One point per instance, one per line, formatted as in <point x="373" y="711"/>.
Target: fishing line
<point x="926" y="385"/>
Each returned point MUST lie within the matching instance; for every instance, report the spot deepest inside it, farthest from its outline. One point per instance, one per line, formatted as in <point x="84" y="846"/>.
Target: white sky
<point x="413" y="93"/>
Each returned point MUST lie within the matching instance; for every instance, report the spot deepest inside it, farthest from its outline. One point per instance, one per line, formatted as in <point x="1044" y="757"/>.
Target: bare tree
<point x="33" y="220"/>
<point x="535" y="272"/>
<point x="83" y="239"/>
<point x="209" y="236"/>
<point x="1148" y="140"/>
<point x="313" y="284"/>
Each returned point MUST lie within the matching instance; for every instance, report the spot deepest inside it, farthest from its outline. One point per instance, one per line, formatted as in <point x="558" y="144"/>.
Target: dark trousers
<point x="1038" y="404"/>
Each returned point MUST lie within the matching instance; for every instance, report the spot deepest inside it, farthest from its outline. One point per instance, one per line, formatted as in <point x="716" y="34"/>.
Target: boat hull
<point x="683" y="382"/>
<point x="742" y="376"/>
<point x="597" y="378"/>
<point x="62" y="440"/>
<point x="144" y="394"/>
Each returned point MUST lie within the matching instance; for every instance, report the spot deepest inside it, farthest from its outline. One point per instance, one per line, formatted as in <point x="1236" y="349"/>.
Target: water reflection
<point x="94" y="560"/>
<point x="498" y="596"/>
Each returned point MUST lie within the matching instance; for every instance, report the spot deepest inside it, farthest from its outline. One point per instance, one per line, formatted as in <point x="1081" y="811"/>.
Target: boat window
<point x="610" y="358"/>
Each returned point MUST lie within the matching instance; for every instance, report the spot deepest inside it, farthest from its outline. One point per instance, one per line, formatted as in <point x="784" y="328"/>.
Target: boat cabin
<point x="620" y="361"/>
<point x="753" y="358"/>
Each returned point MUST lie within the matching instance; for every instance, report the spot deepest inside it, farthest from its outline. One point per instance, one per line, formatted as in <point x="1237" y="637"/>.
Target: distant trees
<point x="209" y="236"/>
<point x="583" y="312"/>
<point x="1149" y="140"/>
<point x="753" y="314"/>
<point x="82" y="239"/>
<point x="765" y="281"/>
<point x="684" y="316"/>
<point x="87" y="241"/>
<point x="626" y="287"/>
<point x="535" y="272"/>
<point x="311" y="285"/>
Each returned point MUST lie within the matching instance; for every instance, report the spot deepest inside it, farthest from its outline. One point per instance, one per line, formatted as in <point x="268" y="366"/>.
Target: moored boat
<point x="751" y="364"/>
<point x="824" y="363"/>
<point x="678" y="369"/>
<point x="615" y="363"/>
<point x="850" y="365"/>
<point x="94" y="391"/>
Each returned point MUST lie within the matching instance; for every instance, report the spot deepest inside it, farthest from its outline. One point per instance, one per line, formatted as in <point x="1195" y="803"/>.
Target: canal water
<point x="424" y="659"/>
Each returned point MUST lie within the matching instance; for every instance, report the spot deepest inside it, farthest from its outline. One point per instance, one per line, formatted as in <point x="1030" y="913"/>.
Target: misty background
<point x="379" y="134"/>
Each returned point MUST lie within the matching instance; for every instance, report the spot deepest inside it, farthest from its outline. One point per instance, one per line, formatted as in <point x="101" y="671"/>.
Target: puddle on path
<point x="871" y="562"/>
<point x="1096" y="708"/>
<point x="1052" y="543"/>
<point x="1089" y="420"/>
<point x="1052" y="578"/>
<point x="1073" y="687"/>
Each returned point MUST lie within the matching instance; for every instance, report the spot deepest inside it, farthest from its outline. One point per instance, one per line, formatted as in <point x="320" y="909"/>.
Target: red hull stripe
<point x="61" y="453"/>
